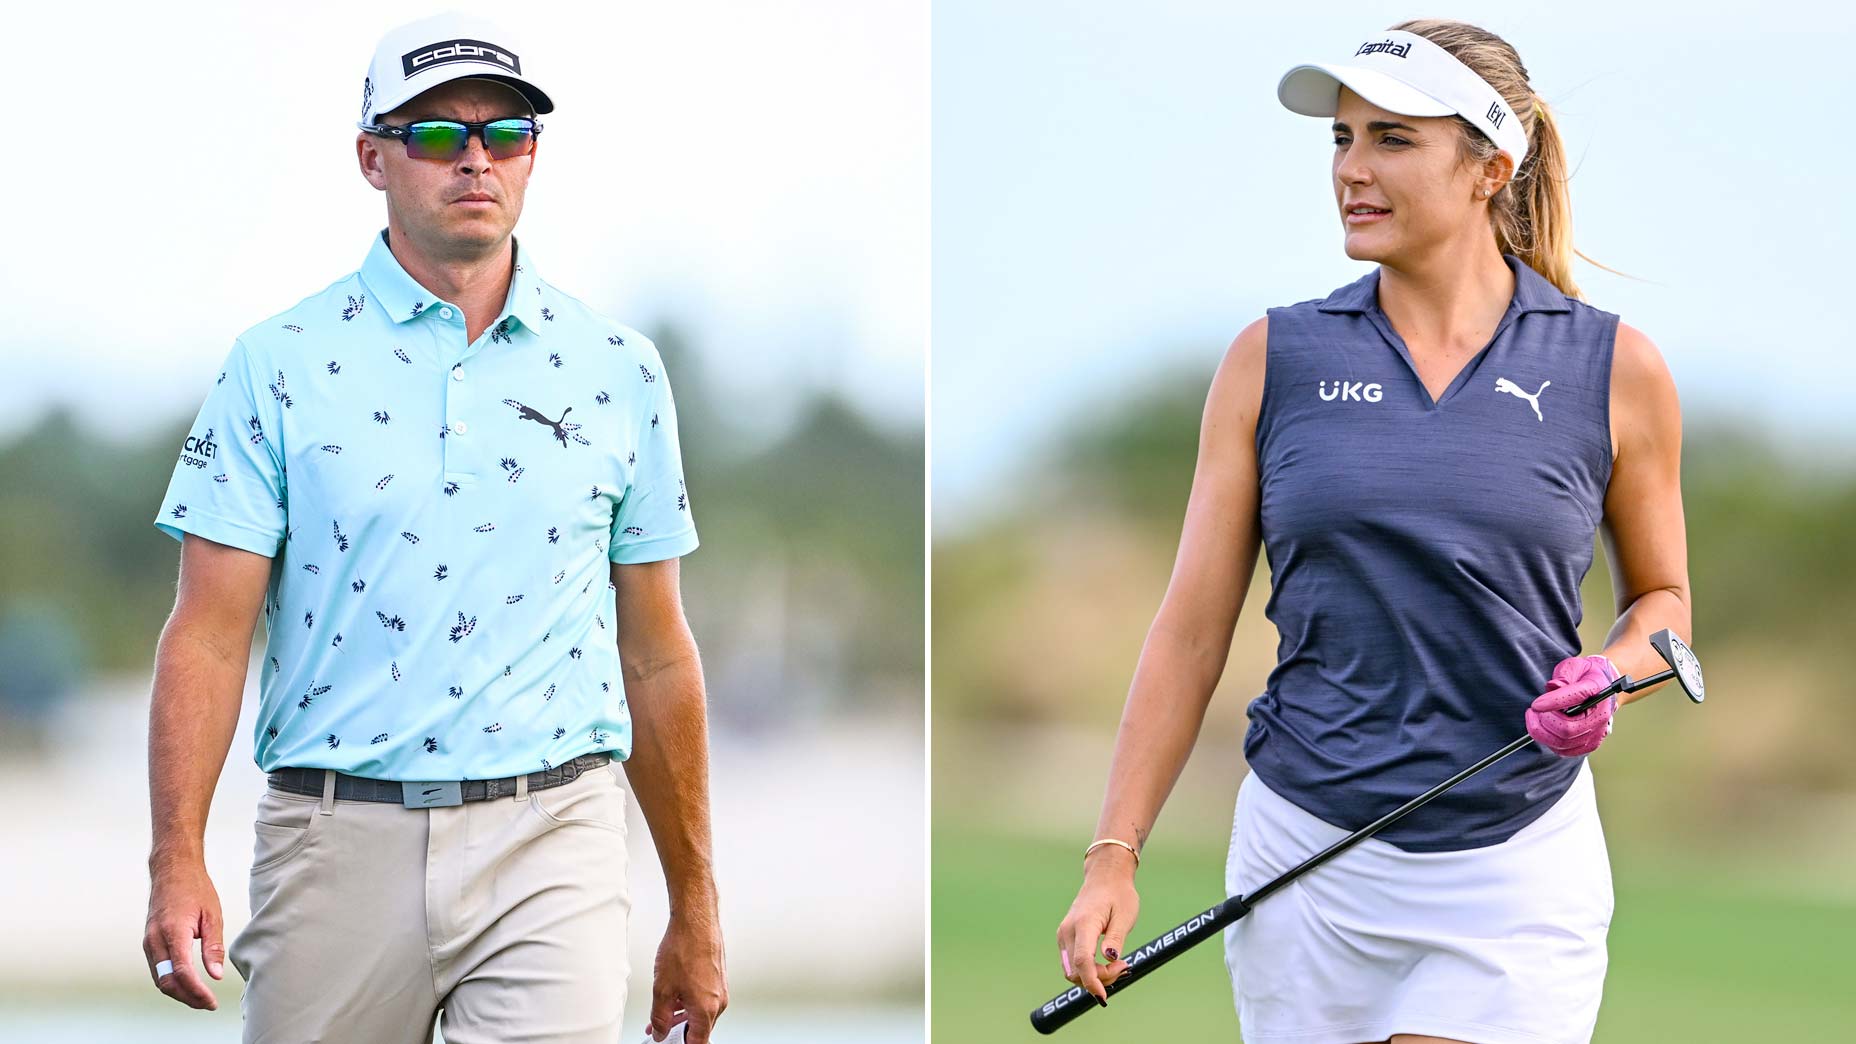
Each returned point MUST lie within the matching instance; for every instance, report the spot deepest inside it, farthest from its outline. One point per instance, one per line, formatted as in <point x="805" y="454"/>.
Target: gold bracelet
<point x="1114" y="841"/>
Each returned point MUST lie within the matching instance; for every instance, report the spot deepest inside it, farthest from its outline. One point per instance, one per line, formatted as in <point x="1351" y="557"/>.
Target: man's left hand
<point x="689" y="980"/>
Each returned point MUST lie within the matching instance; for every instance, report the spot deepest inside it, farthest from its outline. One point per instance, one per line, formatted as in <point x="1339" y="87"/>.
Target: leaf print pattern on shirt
<point x="462" y="628"/>
<point x="362" y="522"/>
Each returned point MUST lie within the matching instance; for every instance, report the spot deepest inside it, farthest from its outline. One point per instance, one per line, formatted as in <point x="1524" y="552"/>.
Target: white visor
<point x="1405" y="73"/>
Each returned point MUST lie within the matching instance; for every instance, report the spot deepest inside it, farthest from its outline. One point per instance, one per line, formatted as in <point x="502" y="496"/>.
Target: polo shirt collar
<point x="1532" y="292"/>
<point x="404" y="298"/>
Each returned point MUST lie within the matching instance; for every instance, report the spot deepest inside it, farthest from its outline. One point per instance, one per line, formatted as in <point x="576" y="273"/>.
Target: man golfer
<point x="455" y="492"/>
<point x="1427" y="455"/>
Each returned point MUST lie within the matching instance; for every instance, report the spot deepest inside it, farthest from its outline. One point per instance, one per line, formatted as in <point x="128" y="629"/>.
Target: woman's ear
<point x="1498" y="171"/>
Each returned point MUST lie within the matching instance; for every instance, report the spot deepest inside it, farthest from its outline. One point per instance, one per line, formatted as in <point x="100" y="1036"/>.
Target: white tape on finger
<point x="164" y="968"/>
<point x="675" y="1036"/>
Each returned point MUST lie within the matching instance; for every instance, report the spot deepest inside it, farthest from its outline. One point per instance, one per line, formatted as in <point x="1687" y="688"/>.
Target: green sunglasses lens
<point x="442" y="140"/>
<point x="435" y="140"/>
<point x="507" y="139"/>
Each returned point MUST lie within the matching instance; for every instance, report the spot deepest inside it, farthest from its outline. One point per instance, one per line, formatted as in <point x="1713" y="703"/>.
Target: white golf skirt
<point x="1503" y="944"/>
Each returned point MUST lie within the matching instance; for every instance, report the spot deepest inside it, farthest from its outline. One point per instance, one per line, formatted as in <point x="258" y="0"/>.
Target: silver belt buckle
<point x="431" y="795"/>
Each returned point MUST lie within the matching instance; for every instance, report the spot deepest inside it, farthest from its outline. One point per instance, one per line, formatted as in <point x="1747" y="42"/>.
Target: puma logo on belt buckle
<point x="431" y="795"/>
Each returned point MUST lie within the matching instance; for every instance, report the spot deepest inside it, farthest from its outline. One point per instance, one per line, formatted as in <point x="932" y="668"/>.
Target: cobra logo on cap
<point x="459" y="51"/>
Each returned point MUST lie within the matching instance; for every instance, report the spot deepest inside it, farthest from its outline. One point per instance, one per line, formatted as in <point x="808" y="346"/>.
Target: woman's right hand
<point x="1104" y="910"/>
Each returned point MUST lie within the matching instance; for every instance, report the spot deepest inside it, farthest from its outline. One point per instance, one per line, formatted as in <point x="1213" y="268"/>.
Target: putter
<point x="1064" y="1008"/>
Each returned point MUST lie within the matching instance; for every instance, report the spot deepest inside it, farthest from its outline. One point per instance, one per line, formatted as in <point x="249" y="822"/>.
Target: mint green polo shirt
<point x="442" y="516"/>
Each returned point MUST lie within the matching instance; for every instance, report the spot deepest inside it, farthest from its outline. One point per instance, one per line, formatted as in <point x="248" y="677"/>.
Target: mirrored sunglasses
<point x="447" y="139"/>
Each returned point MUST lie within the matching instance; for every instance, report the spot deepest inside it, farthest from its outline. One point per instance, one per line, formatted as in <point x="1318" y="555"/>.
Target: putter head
<point x="1681" y="658"/>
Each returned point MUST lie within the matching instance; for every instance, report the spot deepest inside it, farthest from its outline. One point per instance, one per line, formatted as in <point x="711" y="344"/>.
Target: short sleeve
<point x="653" y="521"/>
<point x="228" y="483"/>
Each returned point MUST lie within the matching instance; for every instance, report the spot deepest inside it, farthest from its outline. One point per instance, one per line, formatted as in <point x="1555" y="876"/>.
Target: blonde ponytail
<point x="1532" y="214"/>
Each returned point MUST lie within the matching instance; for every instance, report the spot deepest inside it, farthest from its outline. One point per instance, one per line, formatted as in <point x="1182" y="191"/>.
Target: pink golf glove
<point x="1574" y="679"/>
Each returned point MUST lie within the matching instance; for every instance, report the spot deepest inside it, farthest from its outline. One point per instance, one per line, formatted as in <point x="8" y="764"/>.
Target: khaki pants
<point x="368" y="917"/>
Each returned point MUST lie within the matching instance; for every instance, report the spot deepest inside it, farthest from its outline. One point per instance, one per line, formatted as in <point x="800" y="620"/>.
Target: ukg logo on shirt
<point x="1355" y="390"/>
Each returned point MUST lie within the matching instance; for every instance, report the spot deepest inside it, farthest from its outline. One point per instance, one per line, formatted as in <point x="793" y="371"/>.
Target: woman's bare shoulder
<point x="1237" y="389"/>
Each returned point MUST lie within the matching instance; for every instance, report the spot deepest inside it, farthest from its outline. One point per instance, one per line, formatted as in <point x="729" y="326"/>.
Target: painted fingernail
<point x="1112" y="955"/>
<point x="1102" y="1001"/>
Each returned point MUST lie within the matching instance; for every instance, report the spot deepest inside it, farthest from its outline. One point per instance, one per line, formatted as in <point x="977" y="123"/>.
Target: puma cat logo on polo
<point x="1503" y="384"/>
<point x="562" y="429"/>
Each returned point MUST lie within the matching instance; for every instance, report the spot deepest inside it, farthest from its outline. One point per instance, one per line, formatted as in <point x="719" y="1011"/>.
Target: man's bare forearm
<point x="192" y="714"/>
<point x="669" y="774"/>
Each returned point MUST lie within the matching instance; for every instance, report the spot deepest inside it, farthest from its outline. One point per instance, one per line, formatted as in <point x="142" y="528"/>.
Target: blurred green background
<point x="1731" y="825"/>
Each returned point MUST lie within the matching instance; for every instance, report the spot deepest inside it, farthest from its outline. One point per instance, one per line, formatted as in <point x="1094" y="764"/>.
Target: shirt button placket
<point x="457" y="409"/>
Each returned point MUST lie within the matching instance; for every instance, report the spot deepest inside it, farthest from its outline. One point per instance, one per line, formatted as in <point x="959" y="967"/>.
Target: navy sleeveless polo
<point x="1425" y="558"/>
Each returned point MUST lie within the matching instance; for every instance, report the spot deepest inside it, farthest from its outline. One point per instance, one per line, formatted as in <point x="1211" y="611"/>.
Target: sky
<point x="1117" y="192"/>
<point x="756" y="173"/>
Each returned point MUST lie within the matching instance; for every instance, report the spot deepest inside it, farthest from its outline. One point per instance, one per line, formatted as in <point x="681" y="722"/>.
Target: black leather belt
<point x="433" y="794"/>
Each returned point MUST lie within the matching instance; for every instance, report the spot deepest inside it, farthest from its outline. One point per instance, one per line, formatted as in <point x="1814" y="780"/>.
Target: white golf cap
<point x="418" y="56"/>
<point x="1405" y="73"/>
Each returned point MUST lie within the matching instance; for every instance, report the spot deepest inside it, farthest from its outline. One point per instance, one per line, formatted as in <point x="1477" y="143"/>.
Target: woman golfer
<point x="1425" y="455"/>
